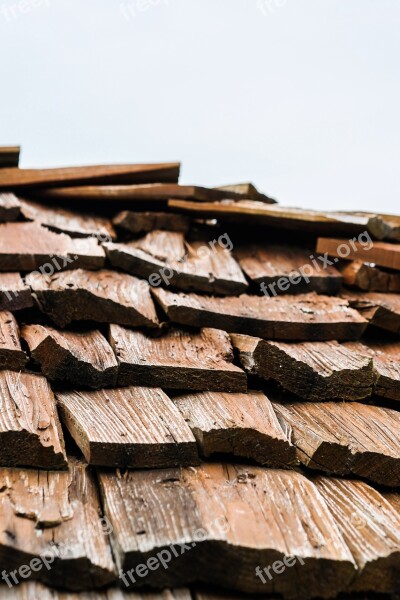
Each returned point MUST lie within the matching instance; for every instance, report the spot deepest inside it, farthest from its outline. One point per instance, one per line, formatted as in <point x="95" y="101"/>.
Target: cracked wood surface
<point x="12" y="178"/>
<point x="381" y="310"/>
<point x="302" y="317"/>
<point x="82" y="358"/>
<point x="180" y="359"/>
<point x="370" y="526"/>
<point x="143" y="222"/>
<point x="11" y="353"/>
<point x="103" y="296"/>
<point x="346" y="438"/>
<point x="128" y="427"/>
<point x="10" y="206"/>
<point x="243" y="425"/>
<point x="227" y="520"/>
<point x="166" y="258"/>
<point x="273" y="264"/>
<point x="33" y="591"/>
<point x="56" y="515"/>
<point x="30" y="431"/>
<point x="383" y="254"/>
<point x="369" y="278"/>
<point x="312" y="370"/>
<point x="28" y="246"/>
<point x="14" y="293"/>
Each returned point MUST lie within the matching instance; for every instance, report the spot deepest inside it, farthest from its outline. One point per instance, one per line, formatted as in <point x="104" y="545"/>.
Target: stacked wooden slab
<point x="192" y="409"/>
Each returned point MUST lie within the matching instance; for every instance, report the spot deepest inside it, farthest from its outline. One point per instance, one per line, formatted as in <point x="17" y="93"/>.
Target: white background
<point x="302" y="97"/>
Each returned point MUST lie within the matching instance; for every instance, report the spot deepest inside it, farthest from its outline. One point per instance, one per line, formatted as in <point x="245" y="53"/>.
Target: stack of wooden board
<point x="190" y="409"/>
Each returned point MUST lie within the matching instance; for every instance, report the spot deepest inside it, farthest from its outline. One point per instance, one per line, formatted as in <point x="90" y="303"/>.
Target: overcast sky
<point x="301" y="97"/>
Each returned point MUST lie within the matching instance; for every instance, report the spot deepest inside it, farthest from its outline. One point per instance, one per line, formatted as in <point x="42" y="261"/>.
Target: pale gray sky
<point x="302" y="97"/>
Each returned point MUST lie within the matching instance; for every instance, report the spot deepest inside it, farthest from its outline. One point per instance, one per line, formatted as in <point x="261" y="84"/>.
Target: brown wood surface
<point x="81" y="358"/>
<point x="166" y="258"/>
<point x="10" y="206"/>
<point x="75" y="224"/>
<point x="13" y="178"/>
<point x="34" y="591"/>
<point x="232" y="519"/>
<point x="11" y="354"/>
<point x="381" y="310"/>
<point x="9" y="156"/>
<point x="346" y="438"/>
<point x="143" y="222"/>
<point x="247" y="190"/>
<point x="55" y="515"/>
<point x="179" y="359"/>
<point x="370" y="278"/>
<point x="242" y="425"/>
<point x="30" y="431"/>
<point x="103" y="296"/>
<point x="302" y="317"/>
<point x="128" y="427"/>
<point x="370" y="527"/>
<point x="28" y="246"/>
<point x="14" y="293"/>
<point x="381" y="253"/>
<point x="312" y="370"/>
<point x="272" y="264"/>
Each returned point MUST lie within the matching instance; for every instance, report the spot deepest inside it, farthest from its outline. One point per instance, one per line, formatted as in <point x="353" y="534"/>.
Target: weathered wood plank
<point x="14" y="293"/>
<point x="284" y="269"/>
<point x="28" y="246"/>
<point x="55" y="515"/>
<point x="346" y="438"/>
<point x="166" y="258"/>
<point x="370" y="527"/>
<point x="75" y="224"/>
<point x="381" y="253"/>
<point x="223" y="519"/>
<point x="246" y="190"/>
<point x="12" y="178"/>
<point x="9" y="156"/>
<point x="11" y="354"/>
<point x="302" y="317"/>
<point x="10" y="207"/>
<point x="128" y="427"/>
<point x="381" y="310"/>
<point x="312" y="370"/>
<point x="103" y="296"/>
<point x="368" y="277"/>
<point x="179" y="359"/>
<point x="143" y="222"/>
<point x="381" y="226"/>
<point x="30" y="432"/>
<point x="242" y="425"/>
<point x="82" y="358"/>
<point x="33" y="590"/>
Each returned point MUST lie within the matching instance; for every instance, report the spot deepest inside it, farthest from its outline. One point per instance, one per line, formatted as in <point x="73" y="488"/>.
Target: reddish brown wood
<point x="370" y="278"/>
<point x="143" y="222"/>
<point x="11" y="354"/>
<point x="380" y="253"/>
<point x="381" y="310"/>
<point x="10" y="206"/>
<point x="14" y="293"/>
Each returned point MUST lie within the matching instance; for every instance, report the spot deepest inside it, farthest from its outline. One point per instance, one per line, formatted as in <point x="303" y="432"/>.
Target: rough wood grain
<point x="223" y="521"/>
<point x="312" y="370"/>
<point x="128" y="427"/>
<point x="370" y="527"/>
<point x="381" y="310"/>
<point x="55" y="515"/>
<point x="368" y="277"/>
<point x="11" y="354"/>
<point x="346" y="438"/>
<point x="166" y="258"/>
<point x="386" y="365"/>
<point x="302" y="317"/>
<point x="143" y="222"/>
<point x="30" y="432"/>
<point x="10" y="206"/>
<point x="13" y="178"/>
<point x="271" y="265"/>
<point x="180" y="359"/>
<point x="246" y="190"/>
<point x="75" y="224"/>
<point x="242" y="425"/>
<point x="82" y="358"/>
<point x="9" y="156"/>
<point x="381" y="253"/>
<point x="28" y="246"/>
<point x="33" y="591"/>
<point x="14" y="293"/>
<point x="102" y="296"/>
